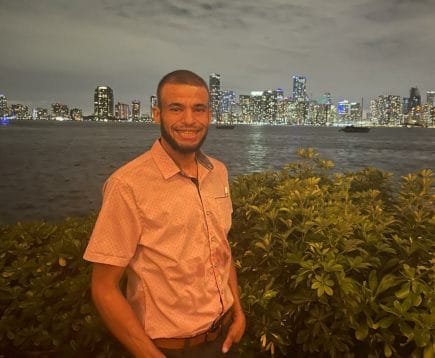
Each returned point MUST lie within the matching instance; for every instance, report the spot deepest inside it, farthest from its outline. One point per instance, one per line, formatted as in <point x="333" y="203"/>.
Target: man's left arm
<point x="238" y="326"/>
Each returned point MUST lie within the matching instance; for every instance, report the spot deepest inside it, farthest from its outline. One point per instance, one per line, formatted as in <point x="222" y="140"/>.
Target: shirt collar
<point x="166" y="164"/>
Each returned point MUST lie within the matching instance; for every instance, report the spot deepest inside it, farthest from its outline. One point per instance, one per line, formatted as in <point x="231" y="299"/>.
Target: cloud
<point x="350" y="48"/>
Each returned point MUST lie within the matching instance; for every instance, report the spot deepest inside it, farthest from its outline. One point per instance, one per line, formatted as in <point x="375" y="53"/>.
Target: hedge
<point x="330" y="265"/>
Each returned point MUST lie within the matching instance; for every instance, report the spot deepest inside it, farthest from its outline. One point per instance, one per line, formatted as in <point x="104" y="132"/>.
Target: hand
<point x="235" y="332"/>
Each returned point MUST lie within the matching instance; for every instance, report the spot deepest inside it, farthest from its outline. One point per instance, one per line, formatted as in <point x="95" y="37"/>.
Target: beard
<point x="177" y="146"/>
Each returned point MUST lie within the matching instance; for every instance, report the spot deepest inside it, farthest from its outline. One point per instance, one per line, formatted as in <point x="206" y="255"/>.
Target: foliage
<point x="335" y="265"/>
<point x="330" y="265"/>
<point x="46" y="309"/>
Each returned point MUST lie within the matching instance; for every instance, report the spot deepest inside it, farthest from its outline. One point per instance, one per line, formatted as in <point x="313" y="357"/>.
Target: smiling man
<point x="164" y="222"/>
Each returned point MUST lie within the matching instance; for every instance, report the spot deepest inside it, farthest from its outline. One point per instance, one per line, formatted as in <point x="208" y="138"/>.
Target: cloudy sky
<point x="60" y="50"/>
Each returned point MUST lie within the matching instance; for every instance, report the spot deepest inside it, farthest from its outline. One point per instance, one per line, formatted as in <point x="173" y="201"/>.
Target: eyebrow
<point x="200" y="106"/>
<point x="196" y="106"/>
<point x="175" y="104"/>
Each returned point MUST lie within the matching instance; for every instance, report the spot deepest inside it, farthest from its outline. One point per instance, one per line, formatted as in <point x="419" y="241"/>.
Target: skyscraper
<point x="153" y="103"/>
<point x="20" y="111"/>
<point x="430" y="98"/>
<point x="103" y="103"/>
<point x="59" y="111"/>
<point x="40" y="114"/>
<point x="228" y="101"/>
<point x="394" y="110"/>
<point x="76" y="114"/>
<point x="135" y="110"/>
<point x="215" y="95"/>
<point x="122" y="111"/>
<point x="299" y="88"/>
<point x="414" y="99"/>
<point x="3" y="106"/>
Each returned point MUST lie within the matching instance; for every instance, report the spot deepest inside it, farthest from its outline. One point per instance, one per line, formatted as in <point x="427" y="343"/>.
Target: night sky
<point x="59" y="51"/>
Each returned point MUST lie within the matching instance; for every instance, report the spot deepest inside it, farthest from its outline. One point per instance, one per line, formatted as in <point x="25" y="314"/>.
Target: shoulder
<point x="218" y="167"/>
<point x="139" y="167"/>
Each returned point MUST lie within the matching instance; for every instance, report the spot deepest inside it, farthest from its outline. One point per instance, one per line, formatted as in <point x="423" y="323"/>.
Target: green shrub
<point x="46" y="309"/>
<point x="330" y="265"/>
<point x="335" y="265"/>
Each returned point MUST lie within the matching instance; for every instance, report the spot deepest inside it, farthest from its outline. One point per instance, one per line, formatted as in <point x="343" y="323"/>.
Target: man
<point x="164" y="221"/>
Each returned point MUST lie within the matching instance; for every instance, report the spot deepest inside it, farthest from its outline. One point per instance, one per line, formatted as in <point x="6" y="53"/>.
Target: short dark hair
<point x="184" y="77"/>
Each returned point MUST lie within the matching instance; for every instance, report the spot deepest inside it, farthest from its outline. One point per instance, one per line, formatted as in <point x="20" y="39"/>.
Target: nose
<point x="188" y="117"/>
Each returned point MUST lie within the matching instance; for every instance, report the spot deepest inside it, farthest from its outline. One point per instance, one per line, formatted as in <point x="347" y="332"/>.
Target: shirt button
<point x="208" y="212"/>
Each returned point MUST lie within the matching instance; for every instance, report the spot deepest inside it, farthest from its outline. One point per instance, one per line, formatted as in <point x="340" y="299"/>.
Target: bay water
<point x="50" y="170"/>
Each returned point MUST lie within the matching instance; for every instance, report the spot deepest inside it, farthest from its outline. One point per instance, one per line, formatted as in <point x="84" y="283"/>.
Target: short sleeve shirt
<point x="170" y="232"/>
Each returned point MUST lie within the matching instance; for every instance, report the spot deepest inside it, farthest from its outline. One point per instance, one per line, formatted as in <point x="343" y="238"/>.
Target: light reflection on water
<point x="51" y="169"/>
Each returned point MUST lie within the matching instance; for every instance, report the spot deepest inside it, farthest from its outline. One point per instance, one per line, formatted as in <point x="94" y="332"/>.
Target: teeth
<point x="188" y="132"/>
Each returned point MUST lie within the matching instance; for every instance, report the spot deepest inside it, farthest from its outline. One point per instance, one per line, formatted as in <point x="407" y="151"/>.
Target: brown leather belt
<point x="209" y="336"/>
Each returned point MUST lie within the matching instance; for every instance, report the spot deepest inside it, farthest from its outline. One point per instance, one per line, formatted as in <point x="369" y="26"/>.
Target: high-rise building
<point x="257" y="106"/>
<point x="268" y="107"/>
<point x="4" y="111"/>
<point x="355" y="111"/>
<point x="414" y="99"/>
<point x="40" y="114"/>
<point x="20" y="111"/>
<point x="153" y="103"/>
<point x="215" y="95"/>
<point x="228" y="101"/>
<point x="245" y="107"/>
<point x="343" y="111"/>
<point x="279" y="94"/>
<point x="326" y="98"/>
<point x="299" y="88"/>
<point x="122" y="111"/>
<point x="414" y="106"/>
<point x="59" y="111"/>
<point x="135" y="110"/>
<point x="103" y="103"/>
<point x="405" y="105"/>
<point x="388" y="110"/>
<point x="430" y="98"/>
<point x="379" y="110"/>
<point x="76" y="114"/>
<point x="393" y="110"/>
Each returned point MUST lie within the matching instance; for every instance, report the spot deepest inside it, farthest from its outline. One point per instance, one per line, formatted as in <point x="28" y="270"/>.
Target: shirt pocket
<point x="224" y="209"/>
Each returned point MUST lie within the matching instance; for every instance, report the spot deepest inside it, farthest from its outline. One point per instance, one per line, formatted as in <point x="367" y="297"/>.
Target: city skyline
<point x="58" y="51"/>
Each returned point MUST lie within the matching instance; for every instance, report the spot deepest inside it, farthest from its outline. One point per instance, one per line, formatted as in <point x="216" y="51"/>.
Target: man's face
<point x="184" y="117"/>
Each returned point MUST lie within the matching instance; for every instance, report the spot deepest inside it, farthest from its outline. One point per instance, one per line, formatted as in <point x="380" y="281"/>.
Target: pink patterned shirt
<point x="170" y="233"/>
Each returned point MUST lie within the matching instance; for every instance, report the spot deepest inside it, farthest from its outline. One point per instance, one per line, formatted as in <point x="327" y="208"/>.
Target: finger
<point x="228" y="341"/>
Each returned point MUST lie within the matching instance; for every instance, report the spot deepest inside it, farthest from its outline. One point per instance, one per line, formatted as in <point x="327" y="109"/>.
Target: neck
<point x="185" y="161"/>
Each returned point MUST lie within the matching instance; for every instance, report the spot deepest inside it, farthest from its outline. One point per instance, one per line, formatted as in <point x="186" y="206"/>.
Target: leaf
<point x="387" y="350"/>
<point x="260" y="245"/>
<point x="263" y="341"/>
<point x="422" y="337"/>
<point x="328" y="290"/>
<point x="404" y="290"/>
<point x="362" y="331"/>
<point x="373" y="280"/>
<point x="269" y="294"/>
<point x="386" y="321"/>
<point x="406" y="330"/>
<point x="62" y="261"/>
<point x="387" y="282"/>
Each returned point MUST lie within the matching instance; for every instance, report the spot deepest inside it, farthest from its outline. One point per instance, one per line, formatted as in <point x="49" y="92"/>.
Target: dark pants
<point x="204" y="350"/>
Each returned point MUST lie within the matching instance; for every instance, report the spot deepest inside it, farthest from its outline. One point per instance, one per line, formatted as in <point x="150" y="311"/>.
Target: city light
<point x="267" y="106"/>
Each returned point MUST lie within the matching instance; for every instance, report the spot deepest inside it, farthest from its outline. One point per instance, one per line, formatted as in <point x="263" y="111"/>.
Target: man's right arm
<point x="117" y="313"/>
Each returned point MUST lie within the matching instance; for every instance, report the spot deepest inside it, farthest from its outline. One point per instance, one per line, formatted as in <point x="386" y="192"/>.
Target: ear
<point x="156" y="114"/>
